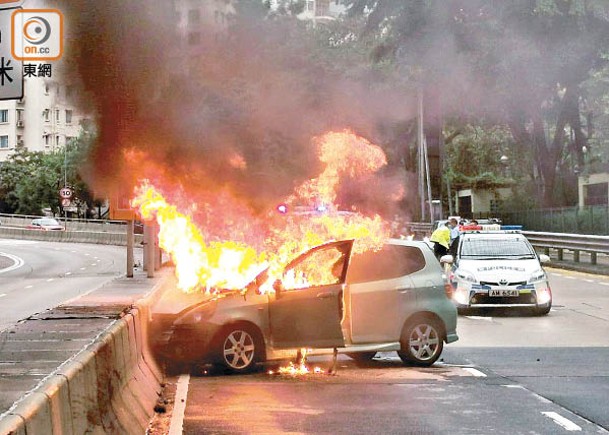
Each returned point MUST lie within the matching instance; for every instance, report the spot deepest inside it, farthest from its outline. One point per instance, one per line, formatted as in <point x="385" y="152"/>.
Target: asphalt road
<point x="510" y="373"/>
<point x="35" y="276"/>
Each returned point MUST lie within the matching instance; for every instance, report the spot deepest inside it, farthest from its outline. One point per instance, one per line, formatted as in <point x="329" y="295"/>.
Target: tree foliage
<point x="30" y="180"/>
<point x="524" y="64"/>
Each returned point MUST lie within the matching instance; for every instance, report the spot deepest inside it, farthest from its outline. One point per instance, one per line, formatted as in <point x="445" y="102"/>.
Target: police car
<point x="497" y="268"/>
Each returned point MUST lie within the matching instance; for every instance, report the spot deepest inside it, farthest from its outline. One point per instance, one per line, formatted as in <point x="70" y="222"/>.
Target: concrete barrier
<point x="110" y="386"/>
<point x="101" y="238"/>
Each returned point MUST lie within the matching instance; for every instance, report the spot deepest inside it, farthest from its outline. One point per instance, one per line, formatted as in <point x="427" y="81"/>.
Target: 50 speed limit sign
<point x="65" y="193"/>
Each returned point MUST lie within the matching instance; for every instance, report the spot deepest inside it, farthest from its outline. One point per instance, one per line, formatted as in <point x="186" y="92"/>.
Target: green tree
<point x="30" y="181"/>
<point x="521" y="63"/>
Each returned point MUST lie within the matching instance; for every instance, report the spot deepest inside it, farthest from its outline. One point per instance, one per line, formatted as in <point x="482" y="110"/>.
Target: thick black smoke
<point x="236" y="111"/>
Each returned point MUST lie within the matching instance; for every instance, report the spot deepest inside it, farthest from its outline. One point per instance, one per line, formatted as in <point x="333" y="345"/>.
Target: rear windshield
<point x="392" y="261"/>
<point x="482" y="248"/>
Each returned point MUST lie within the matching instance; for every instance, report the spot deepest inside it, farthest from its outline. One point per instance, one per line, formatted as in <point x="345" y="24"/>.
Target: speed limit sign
<point x="65" y="193"/>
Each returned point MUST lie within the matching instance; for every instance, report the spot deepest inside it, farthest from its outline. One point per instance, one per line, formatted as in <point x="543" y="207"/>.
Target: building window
<point x="194" y="38"/>
<point x="4" y="115"/>
<point x="46" y="140"/>
<point x="57" y="118"/>
<point x="194" y="17"/>
<point x="19" y="114"/>
<point x="3" y="141"/>
<point x="596" y="194"/>
<point x="47" y="115"/>
<point x="57" y="140"/>
<point x="68" y="116"/>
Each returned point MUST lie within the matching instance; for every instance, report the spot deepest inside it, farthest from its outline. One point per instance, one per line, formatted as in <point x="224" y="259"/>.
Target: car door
<point x="308" y="306"/>
<point x="381" y="293"/>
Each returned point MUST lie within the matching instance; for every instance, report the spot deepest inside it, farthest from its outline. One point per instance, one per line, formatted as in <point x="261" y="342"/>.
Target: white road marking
<point x="10" y="242"/>
<point x="475" y="372"/>
<point x="68" y="273"/>
<point x="29" y="286"/>
<point x="2" y="295"/>
<point x="50" y="279"/>
<point x="488" y="319"/>
<point x="82" y="268"/>
<point x="568" y="277"/>
<point x="562" y="421"/>
<point x="537" y="396"/>
<point x="17" y="262"/>
<point x="589" y="280"/>
<point x="604" y="283"/>
<point x="179" y="408"/>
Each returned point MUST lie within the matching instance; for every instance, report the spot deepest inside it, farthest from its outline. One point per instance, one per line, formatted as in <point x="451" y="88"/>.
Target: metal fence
<point x="593" y="220"/>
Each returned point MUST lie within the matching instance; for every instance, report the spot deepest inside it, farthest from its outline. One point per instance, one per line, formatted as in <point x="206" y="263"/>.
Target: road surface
<point x="510" y="373"/>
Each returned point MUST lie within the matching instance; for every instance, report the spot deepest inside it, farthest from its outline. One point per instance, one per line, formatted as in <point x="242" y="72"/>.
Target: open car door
<point x="308" y="307"/>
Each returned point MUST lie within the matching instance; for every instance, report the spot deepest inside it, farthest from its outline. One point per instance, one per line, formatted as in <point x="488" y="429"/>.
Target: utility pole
<point x="423" y="169"/>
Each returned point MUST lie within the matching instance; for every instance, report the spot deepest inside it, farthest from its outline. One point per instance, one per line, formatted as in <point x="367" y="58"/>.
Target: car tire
<point x="240" y="348"/>
<point x="542" y="311"/>
<point x="422" y="342"/>
<point x="361" y="357"/>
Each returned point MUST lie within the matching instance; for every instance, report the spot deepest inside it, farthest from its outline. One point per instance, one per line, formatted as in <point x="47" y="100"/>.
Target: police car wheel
<point x="542" y="311"/>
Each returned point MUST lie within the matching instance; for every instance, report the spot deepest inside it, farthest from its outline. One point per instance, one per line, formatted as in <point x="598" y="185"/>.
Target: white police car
<point x="494" y="269"/>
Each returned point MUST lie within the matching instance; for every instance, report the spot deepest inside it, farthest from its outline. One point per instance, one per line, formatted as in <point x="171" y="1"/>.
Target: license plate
<point x="503" y="293"/>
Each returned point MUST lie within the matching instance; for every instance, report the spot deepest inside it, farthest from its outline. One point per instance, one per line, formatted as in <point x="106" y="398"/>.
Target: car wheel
<point x="422" y="342"/>
<point x="241" y="347"/>
<point x="361" y="357"/>
<point x="542" y="311"/>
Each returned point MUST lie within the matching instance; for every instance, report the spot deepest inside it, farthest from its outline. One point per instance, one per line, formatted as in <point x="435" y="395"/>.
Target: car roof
<point x="492" y="234"/>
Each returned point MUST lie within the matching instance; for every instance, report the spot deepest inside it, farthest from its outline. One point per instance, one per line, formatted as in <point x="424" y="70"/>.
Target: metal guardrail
<point x="572" y="242"/>
<point x="559" y="242"/>
<point x="419" y="229"/>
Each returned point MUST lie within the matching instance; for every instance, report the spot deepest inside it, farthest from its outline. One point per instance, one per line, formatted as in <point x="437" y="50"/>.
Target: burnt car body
<point x="393" y="299"/>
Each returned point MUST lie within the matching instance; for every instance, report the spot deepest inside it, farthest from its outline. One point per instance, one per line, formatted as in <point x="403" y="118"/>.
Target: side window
<point x="319" y="268"/>
<point x="392" y="261"/>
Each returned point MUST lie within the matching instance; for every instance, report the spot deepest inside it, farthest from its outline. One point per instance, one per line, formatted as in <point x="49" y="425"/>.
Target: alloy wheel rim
<point x="239" y="349"/>
<point x="424" y="342"/>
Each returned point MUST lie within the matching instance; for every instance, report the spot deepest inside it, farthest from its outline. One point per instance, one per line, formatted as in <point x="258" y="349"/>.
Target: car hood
<point x="500" y="270"/>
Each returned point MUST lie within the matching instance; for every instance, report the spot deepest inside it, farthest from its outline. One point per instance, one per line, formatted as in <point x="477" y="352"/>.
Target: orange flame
<point x="298" y="369"/>
<point x="232" y="264"/>
<point x="344" y="154"/>
<point x="227" y="264"/>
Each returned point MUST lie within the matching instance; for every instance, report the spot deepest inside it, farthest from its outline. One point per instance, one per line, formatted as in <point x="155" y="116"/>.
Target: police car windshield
<point x="496" y="248"/>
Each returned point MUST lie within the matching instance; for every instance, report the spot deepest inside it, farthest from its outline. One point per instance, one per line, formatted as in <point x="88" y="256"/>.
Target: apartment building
<point x="44" y="120"/>
<point x="199" y="18"/>
<point x="322" y="10"/>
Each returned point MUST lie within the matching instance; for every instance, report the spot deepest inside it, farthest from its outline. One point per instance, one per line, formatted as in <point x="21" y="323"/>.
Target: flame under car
<point x="392" y="299"/>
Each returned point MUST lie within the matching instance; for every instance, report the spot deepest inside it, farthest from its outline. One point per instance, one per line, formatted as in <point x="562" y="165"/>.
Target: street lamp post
<point x="505" y="160"/>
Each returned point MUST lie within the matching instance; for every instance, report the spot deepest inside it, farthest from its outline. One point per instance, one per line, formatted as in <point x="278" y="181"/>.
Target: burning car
<point x="392" y="299"/>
